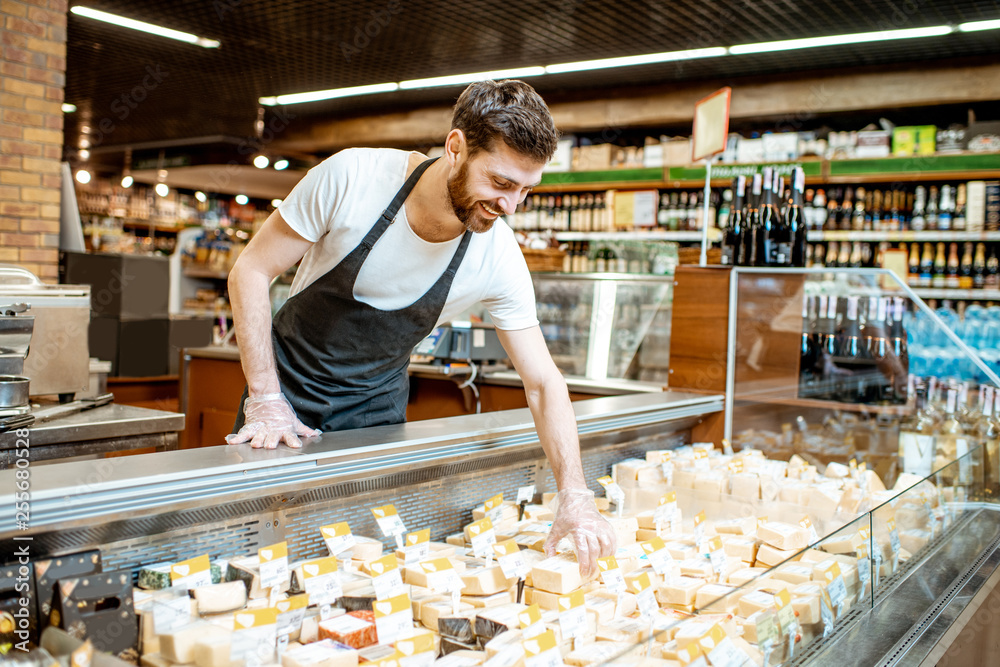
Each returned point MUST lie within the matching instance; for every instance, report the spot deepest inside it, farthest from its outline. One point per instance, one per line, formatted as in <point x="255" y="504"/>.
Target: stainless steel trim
<point x="619" y="277"/>
<point x="95" y="492"/>
<point x="108" y="421"/>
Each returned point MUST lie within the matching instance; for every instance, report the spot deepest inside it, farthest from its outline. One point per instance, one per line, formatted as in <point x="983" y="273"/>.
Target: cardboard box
<point x="596" y="157"/>
<point x="872" y="143"/>
<point x="983" y="137"/>
<point x="914" y="140"/>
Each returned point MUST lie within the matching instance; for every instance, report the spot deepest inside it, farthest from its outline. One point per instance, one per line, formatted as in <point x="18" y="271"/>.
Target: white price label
<point x="273" y="565"/>
<point x="513" y="566"/>
<point x="338" y="537"/>
<point x="446" y="581"/>
<point x="388" y="521"/>
<point x="191" y="573"/>
<point x="838" y="592"/>
<point x="718" y="558"/>
<point x="324" y="589"/>
<point x="573" y="622"/>
<point x="545" y="659"/>
<point x="483" y="542"/>
<point x="826" y="616"/>
<point x="392" y="627"/>
<point x="894" y="538"/>
<point x="725" y="654"/>
<point x="918" y="453"/>
<point x="611" y="574"/>
<point x="416" y="553"/>
<point x="255" y="637"/>
<point x="864" y="570"/>
<point x="171" y="613"/>
<point x="646" y="601"/>
<point x="526" y="494"/>
<point x="290" y="620"/>
<point x="388" y="584"/>
<point x="667" y="468"/>
<point x="661" y="561"/>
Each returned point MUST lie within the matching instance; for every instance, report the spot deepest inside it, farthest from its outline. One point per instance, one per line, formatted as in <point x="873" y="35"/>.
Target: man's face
<point x="490" y="184"/>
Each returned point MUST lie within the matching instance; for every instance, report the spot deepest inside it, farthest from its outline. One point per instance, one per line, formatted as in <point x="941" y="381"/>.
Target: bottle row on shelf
<point x="766" y="226"/>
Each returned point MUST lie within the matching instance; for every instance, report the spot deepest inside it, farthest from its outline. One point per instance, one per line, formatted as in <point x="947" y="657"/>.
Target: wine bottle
<point x="916" y="437"/>
<point x="663" y="212"/>
<point x="819" y="255"/>
<point x="918" y="222"/>
<point x="992" y="271"/>
<point x="932" y="209"/>
<point x="731" y="245"/>
<point x="979" y="267"/>
<point x="940" y="267"/>
<point x="946" y="209"/>
<point x="753" y="256"/>
<point x="765" y="239"/>
<point x="951" y="442"/>
<point x="844" y="259"/>
<point x="858" y="214"/>
<point x="899" y="365"/>
<point x="852" y="352"/>
<point x="809" y="348"/>
<point x="958" y="222"/>
<point x="954" y="266"/>
<point x="965" y="268"/>
<point x="927" y="266"/>
<point x="795" y="218"/>
<point x="913" y="279"/>
<point x="819" y="214"/>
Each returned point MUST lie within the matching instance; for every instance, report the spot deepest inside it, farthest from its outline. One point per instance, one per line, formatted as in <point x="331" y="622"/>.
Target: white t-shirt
<point x="338" y="202"/>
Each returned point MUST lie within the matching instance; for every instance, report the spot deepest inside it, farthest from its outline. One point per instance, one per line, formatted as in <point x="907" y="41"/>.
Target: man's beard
<point x="466" y="207"/>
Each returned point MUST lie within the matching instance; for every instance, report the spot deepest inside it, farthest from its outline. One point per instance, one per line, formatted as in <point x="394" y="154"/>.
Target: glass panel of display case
<point x="595" y="324"/>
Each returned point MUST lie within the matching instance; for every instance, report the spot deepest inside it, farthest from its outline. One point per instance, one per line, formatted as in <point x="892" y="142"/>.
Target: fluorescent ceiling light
<point x="458" y="79"/>
<point x="68" y="108"/>
<point x="628" y="61"/>
<point x="978" y="25"/>
<point x="834" y="40"/>
<point x="261" y="162"/>
<point x="333" y="93"/>
<point x="281" y="165"/>
<point x="145" y="27"/>
<point x="242" y="200"/>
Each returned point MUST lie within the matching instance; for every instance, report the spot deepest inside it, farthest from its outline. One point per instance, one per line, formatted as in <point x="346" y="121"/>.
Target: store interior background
<point x="164" y="111"/>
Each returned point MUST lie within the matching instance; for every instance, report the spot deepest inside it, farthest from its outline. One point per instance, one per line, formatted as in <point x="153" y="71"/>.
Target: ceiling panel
<point x="133" y="88"/>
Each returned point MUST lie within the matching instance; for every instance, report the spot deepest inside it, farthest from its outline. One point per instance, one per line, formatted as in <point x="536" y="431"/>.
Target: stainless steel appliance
<point x="43" y="332"/>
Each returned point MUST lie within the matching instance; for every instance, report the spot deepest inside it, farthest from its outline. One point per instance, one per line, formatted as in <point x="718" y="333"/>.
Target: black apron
<point x="342" y="363"/>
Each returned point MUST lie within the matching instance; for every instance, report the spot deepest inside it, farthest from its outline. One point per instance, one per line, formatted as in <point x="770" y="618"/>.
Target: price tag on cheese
<point x="864" y="562"/>
<point x="611" y="574"/>
<point x="700" y="459"/>
<point x="691" y="656"/>
<point x="767" y="629"/>
<point x="786" y="615"/>
<point x="666" y="513"/>
<point x="510" y="560"/>
<point x="735" y="467"/>
<point x="720" y="649"/>
<point x="699" y="530"/>
<point x="835" y="586"/>
<point x="612" y="491"/>
<point x="482" y="537"/>
<point x="416" y="651"/>
<point x="255" y="636"/>
<point x="388" y="521"/>
<point x="273" y="565"/>
<point x="572" y="615"/>
<point x="171" y="610"/>
<point x="716" y="554"/>
<point x="665" y="460"/>
<point x="925" y="500"/>
<point x="658" y="556"/>
<point x="494" y="508"/>
<point x="417" y="546"/>
<point x="531" y="622"/>
<point x="386" y="579"/>
<point x="393" y="617"/>
<point x="291" y="611"/>
<point x="441" y="575"/>
<point x="338" y="537"/>
<point x="893" y="537"/>
<point x="642" y="587"/>
<point x="826" y="613"/>
<point x="322" y="581"/>
<point x="525" y="494"/>
<point x="810" y="529"/>
<point x="542" y="650"/>
<point x="761" y="520"/>
<point x="191" y="573"/>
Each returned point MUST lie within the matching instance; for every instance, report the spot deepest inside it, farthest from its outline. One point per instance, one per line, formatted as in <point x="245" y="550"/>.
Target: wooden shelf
<point x="193" y="271"/>
<point x="778" y="392"/>
<point x="635" y="235"/>
<point x="957" y="294"/>
<point x="838" y="235"/>
<point x="957" y="167"/>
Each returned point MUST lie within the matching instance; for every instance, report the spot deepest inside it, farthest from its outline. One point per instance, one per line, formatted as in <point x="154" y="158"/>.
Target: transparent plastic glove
<point x="593" y="537"/>
<point x="268" y="420"/>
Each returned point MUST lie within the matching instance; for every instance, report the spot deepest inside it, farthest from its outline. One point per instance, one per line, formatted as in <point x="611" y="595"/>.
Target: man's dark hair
<point x="508" y="110"/>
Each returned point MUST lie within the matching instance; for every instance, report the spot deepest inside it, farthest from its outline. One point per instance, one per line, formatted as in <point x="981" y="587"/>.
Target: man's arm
<point x="272" y="251"/>
<point x="548" y="400"/>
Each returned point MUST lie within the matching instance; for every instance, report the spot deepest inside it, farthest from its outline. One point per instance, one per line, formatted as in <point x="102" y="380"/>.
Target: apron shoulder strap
<point x="393" y="208"/>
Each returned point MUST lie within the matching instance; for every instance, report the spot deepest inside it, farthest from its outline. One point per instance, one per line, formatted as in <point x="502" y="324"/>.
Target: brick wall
<point x="32" y="78"/>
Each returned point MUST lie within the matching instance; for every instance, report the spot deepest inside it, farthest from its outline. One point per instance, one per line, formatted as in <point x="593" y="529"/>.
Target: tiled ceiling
<point x="149" y="89"/>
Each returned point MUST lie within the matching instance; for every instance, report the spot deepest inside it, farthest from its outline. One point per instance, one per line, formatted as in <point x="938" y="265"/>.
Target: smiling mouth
<point x="489" y="210"/>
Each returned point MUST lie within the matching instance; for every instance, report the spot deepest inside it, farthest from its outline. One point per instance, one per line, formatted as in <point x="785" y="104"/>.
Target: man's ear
<point x="455" y="147"/>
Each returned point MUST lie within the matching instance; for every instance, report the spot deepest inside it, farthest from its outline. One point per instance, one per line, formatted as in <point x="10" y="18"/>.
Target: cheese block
<point x="753" y="602"/>
<point x="310" y="626"/>
<point x="157" y="660"/>
<point x="364" y="549"/>
<point x="414" y="575"/>
<point x="220" y="598"/>
<point x="326" y="653"/>
<point x="783" y="536"/>
<point x="431" y="612"/>
<point x="485" y="580"/>
<point x="716" y="597"/>
<point x="813" y="556"/>
<point x="740" y="526"/>
<point x="247" y="570"/>
<point x="836" y="470"/>
<point x="508" y="512"/>
<point x="793" y="573"/>
<point x="698" y="567"/>
<point x="154" y="577"/>
<point x="627" y="470"/>
<point x="459" y="627"/>
<point x="770" y="556"/>
<point x="462" y="658"/>
<point x="495" y="620"/>
<point x="502" y="642"/>
<point x="914" y="540"/>
<point x="178" y="646"/>
<point x="692" y="631"/>
<point x="349" y="629"/>
<point x="740" y="547"/>
<point x="626" y="630"/>
<point x="495" y="600"/>
<point x="807" y="608"/>
<point x="449" y="645"/>
<point x="214" y="652"/>
<point x="710" y="485"/>
<point x="602" y="608"/>
<point x="375" y="653"/>
<point x="684" y="479"/>
<point x="793" y="491"/>
<point x="745" y="575"/>
<point x="360" y="599"/>
<point x="745" y="485"/>
<point x="599" y="652"/>
<point x="681" y="550"/>
<point x="558" y="574"/>
<point x="626" y="604"/>
<point x="625" y="528"/>
<point x="679" y="590"/>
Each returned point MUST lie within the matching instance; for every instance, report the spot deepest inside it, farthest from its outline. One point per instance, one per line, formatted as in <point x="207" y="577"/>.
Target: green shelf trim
<point x="605" y="176"/>
<point x="810" y="167"/>
<point x="917" y="164"/>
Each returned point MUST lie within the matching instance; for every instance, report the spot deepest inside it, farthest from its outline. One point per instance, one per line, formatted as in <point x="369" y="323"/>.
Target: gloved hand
<point x="593" y="536"/>
<point x="268" y="420"/>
